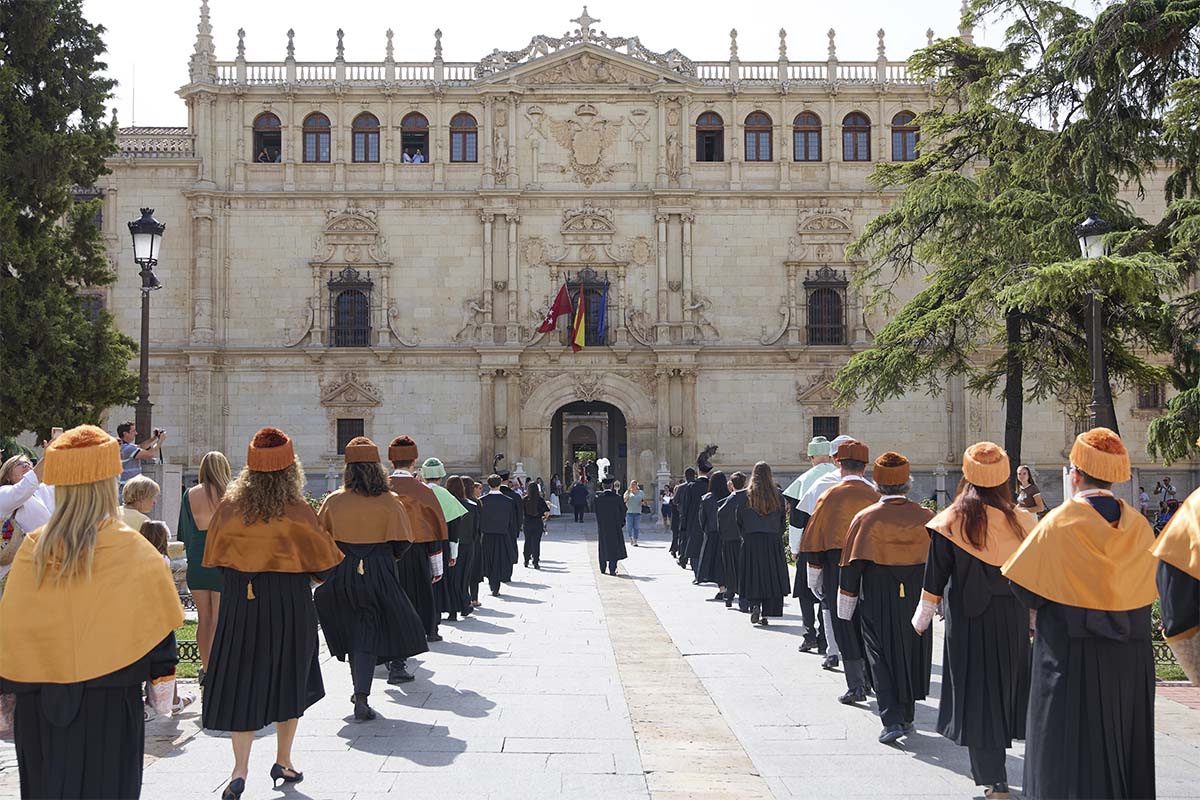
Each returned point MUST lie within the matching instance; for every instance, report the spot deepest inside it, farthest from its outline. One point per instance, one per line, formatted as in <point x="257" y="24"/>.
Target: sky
<point x="149" y="43"/>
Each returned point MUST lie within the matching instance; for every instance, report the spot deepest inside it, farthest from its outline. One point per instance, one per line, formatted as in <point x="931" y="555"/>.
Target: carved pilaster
<point x="661" y="329"/>
<point x="202" y="277"/>
<point x="513" y="328"/>
<point x="488" y="219"/>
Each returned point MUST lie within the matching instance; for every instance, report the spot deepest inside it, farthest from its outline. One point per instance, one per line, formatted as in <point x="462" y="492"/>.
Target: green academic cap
<point x="819" y="446"/>
<point x="432" y="469"/>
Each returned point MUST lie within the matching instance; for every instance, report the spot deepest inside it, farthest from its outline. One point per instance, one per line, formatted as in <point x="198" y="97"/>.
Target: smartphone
<point x="55" y="433"/>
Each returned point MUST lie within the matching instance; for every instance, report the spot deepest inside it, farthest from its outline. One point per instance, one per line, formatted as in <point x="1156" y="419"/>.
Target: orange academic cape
<point x="424" y="509"/>
<point x="891" y="533"/>
<point x="1002" y="540"/>
<point x="294" y="543"/>
<point x="75" y="630"/>
<point x="355" y="518"/>
<point x="830" y="520"/>
<point x="1179" y="543"/>
<point x="1075" y="557"/>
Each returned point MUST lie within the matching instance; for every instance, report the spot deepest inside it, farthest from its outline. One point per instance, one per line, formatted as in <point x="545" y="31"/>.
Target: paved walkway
<point x="573" y="684"/>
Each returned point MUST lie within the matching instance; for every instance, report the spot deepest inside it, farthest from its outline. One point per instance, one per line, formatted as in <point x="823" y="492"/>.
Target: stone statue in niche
<point x="673" y="155"/>
<point x="500" y="143"/>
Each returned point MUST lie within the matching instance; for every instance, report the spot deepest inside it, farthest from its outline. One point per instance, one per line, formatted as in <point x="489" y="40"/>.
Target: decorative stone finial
<point x="733" y="45"/>
<point x="389" y="51"/>
<point x="880" y="51"/>
<point x="241" y="43"/>
<point x="205" y="54"/>
<point x="437" y="43"/>
<point x="585" y="24"/>
<point x="832" y="44"/>
<point x="291" y="50"/>
<point x="966" y="31"/>
<point x="341" y="46"/>
<point x="782" y="45"/>
<point x="929" y="37"/>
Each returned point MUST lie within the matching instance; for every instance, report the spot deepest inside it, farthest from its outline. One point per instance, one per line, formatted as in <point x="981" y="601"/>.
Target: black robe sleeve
<point x="1180" y="599"/>
<point x="163" y="658"/>
<point x="850" y="577"/>
<point x="798" y="518"/>
<point x="939" y="566"/>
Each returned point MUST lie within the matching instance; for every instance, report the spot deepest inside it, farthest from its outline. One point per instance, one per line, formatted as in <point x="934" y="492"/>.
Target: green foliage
<point x="56" y="366"/>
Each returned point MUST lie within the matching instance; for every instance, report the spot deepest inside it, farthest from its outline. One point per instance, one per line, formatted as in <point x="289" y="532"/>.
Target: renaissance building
<point x="369" y="247"/>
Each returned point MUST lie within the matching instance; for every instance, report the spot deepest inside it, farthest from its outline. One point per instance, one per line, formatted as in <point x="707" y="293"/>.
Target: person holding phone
<point x="133" y="454"/>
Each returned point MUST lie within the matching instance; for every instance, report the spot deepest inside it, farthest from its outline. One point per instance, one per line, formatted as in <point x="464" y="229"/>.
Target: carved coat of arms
<point x="585" y="140"/>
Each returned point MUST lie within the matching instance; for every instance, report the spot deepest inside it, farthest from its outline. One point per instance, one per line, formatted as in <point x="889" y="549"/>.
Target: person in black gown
<point x="691" y="537"/>
<point x="498" y="521"/>
<point x="985" y="662"/>
<point x="711" y="569"/>
<point x="762" y="522"/>
<point x="731" y="541"/>
<point x="470" y="501"/>
<point x="87" y="617"/>
<point x="883" y="562"/>
<point x="464" y="534"/>
<point x="678" y="535"/>
<point x="1087" y="573"/>
<point x="610" y="528"/>
<point x="269" y="545"/>
<point x="365" y="615"/>
<point x="508" y="491"/>
<point x="536" y="510"/>
<point x="1178" y="553"/>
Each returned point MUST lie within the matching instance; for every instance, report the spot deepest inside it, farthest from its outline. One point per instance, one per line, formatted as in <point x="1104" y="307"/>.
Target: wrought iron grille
<point x="350" y="309"/>
<point x="594" y="288"/>
<point x="826" y="306"/>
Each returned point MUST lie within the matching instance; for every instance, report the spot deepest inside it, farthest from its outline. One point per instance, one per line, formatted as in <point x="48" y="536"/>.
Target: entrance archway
<point x="589" y="430"/>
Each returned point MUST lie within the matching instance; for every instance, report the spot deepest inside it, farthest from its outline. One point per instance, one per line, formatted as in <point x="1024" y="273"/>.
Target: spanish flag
<point x="579" y="327"/>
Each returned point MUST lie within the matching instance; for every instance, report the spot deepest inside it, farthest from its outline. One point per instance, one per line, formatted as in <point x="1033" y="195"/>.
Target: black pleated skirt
<point x="900" y="659"/>
<point x="264" y="665"/>
<point x="731" y="559"/>
<point x="416" y="579"/>
<point x="711" y="569"/>
<point x="763" y="577"/>
<point x="362" y="608"/>
<point x="497" y="561"/>
<point x="456" y="598"/>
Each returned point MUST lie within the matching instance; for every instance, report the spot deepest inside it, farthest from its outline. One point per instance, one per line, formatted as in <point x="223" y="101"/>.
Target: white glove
<point x="435" y="564"/>
<point x="923" y="617"/>
<point x="814" y="581"/>
<point x="846" y="604"/>
<point x="454" y="551"/>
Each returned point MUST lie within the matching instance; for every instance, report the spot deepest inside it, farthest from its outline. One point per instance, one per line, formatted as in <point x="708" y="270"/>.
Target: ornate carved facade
<point x="580" y="152"/>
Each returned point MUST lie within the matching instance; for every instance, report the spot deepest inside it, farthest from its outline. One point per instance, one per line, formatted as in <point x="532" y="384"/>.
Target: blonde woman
<point x="634" y="497"/>
<point x="25" y="505"/>
<point x="137" y="501"/>
<point x="88" y="616"/>
<point x="195" y="513"/>
<point x="268" y="543"/>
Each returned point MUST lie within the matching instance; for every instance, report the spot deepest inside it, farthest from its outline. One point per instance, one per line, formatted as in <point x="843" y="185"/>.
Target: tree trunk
<point x="1014" y="392"/>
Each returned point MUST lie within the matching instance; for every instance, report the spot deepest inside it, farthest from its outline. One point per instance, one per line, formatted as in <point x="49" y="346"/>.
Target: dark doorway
<point x="589" y="430"/>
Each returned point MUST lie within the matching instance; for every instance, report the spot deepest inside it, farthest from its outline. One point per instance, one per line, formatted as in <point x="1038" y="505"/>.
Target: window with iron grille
<point x="826" y="290"/>
<point x="592" y="287"/>
<point x="86" y="195"/>
<point x="350" y="309"/>
<point x="347" y="429"/>
<point x="827" y="427"/>
<point x="1151" y="397"/>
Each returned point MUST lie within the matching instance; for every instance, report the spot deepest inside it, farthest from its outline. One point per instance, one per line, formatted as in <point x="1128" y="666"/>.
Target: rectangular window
<point x="807" y="146"/>
<point x="856" y="146"/>
<point x="826" y="426"/>
<point x="462" y="146"/>
<point x="709" y="146"/>
<point x="758" y="146"/>
<point x="366" y="147"/>
<point x="347" y="429"/>
<point x="316" y="147"/>
<point x="1151" y="397"/>
<point x="904" y="145"/>
<point x="92" y="304"/>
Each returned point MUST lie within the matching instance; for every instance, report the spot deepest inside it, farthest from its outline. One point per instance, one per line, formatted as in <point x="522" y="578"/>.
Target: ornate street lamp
<point x="1092" y="245"/>
<point x="147" y="239"/>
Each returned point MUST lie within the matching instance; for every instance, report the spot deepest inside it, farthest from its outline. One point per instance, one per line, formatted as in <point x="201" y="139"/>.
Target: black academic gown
<point x="1180" y="596"/>
<point x="1091" y="699"/>
<point x="512" y="495"/>
<point x="470" y="549"/>
<point x="498" y="521"/>
<point x="763" y="579"/>
<point x="416" y="579"/>
<point x="677" y="520"/>
<point x="731" y="541"/>
<point x="711" y="569"/>
<point x="86" y="739"/>
<point x="534" y="527"/>
<point x="691" y="534"/>
<point x="456" y="591"/>
<point x="610" y="524"/>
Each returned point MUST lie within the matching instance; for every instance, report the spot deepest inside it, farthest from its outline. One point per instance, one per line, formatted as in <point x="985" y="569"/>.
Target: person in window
<point x="407" y="157"/>
<point x="985" y="681"/>
<point x="264" y="157"/>
<point x="79" y="724"/>
<point x="418" y="157"/>
<point x="1029" y="496"/>
<point x="1087" y="573"/>
<point x="365" y="615"/>
<point x="762" y="523"/>
<point x="278" y="156"/>
<point x="269" y="545"/>
<point x="1178" y="578"/>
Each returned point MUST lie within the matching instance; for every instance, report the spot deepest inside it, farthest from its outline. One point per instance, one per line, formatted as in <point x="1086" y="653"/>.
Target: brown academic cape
<point x="356" y="518"/>
<point x="890" y="533"/>
<point x="830" y="520"/>
<point x="74" y="630"/>
<point x="425" y="515"/>
<point x="1075" y="557"/>
<point x="1179" y="543"/>
<point x="294" y="543"/>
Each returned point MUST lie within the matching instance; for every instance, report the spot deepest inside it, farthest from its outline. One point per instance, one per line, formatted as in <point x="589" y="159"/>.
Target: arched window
<point x="710" y="137"/>
<point x="904" y="136"/>
<point x="414" y="138"/>
<point x="268" y="138"/>
<point x="856" y="137"/>
<point x="758" y="137"/>
<point x="365" y="133"/>
<point x="316" y="138"/>
<point x="464" y="137"/>
<point x="806" y="137"/>
<point x="350" y="308"/>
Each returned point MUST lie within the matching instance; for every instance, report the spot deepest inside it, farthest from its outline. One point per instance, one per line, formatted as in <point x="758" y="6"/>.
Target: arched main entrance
<point x="589" y="430"/>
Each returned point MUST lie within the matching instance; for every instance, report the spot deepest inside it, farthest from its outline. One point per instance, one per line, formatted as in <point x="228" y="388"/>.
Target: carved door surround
<point x="344" y="395"/>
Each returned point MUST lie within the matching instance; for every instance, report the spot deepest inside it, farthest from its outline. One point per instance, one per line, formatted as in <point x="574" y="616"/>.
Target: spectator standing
<point x="1167" y="490"/>
<point x="1029" y="496"/>
<point x="195" y="513"/>
<point x="25" y="505"/>
<point x="579" y="498"/>
<point x="137" y="501"/>
<point x="634" y="497"/>
<point x="133" y="454"/>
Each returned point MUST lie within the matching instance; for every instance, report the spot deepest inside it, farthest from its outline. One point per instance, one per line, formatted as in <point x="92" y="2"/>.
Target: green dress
<point x="198" y="576"/>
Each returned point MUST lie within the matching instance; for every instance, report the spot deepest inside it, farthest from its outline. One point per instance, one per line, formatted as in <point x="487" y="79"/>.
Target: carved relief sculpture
<point x="705" y="328"/>
<point x="585" y="138"/>
<point x="587" y="69"/>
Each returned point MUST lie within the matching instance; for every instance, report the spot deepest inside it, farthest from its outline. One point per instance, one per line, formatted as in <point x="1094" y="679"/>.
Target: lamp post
<point x="147" y="238"/>
<point x="1092" y="245"/>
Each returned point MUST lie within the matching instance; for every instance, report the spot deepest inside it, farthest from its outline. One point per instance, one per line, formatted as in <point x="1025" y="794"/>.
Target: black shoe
<point x="526" y="565"/>
<point x="362" y="711"/>
<point x="909" y="728"/>
<point x="830" y="663"/>
<point x="822" y="649"/>
<point x="890" y="734"/>
<point x="234" y="790"/>
<point x="729" y="604"/>
<point x="495" y="592"/>
<point x="762" y="621"/>
<point x="280" y="773"/>
<point x="537" y="566"/>
<point x="433" y="638"/>
<point x="852" y="696"/>
<point x="809" y="644"/>
<point x="453" y="617"/>
<point x="755" y="615"/>
<point x="997" y="791"/>
<point x="399" y="675"/>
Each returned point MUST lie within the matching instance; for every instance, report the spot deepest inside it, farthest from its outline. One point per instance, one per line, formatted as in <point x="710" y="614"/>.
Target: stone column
<point x="882" y="127"/>
<point x="489" y="174"/>
<point x="200" y="406"/>
<point x="793" y="328"/>
<point x="512" y="416"/>
<point x="239" y="159"/>
<point x="487" y="217"/>
<point x="691" y="413"/>
<point x="660" y="171"/>
<point x="386" y="141"/>
<point x="337" y="140"/>
<point x="487" y="420"/>
<point x="619" y="308"/>
<point x="202" y="277"/>
<point x="784" y="151"/>
<point x="512" y="330"/>
<point x="513" y="172"/>
<point x="689" y="317"/>
<point x="661" y="329"/>
<point x="833" y="150"/>
<point x="205" y="130"/>
<point x="437" y="143"/>
<point x="289" y="136"/>
<point x="662" y="404"/>
<point x="735" y="147"/>
<point x="685" y="147"/>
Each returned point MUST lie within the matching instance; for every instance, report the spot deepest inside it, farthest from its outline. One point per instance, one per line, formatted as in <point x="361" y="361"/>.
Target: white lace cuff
<point x="435" y="565"/>
<point x="923" y="617"/>
<point x="454" y="551"/>
<point x="846" y="605"/>
<point x="814" y="581"/>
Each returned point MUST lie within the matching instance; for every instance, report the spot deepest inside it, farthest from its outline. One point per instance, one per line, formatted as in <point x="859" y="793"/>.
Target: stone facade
<point x="585" y="159"/>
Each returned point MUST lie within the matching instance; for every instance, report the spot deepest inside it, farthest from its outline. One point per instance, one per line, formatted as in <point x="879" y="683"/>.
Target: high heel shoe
<point x="279" y="773"/>
<point x="234" y="790"/>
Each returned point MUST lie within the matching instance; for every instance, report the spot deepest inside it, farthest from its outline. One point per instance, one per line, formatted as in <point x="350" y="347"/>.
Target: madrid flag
<point x="562" y="305"/>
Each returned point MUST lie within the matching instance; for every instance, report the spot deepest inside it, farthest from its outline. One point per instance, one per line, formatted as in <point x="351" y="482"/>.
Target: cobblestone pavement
<point x="575" y="684"/>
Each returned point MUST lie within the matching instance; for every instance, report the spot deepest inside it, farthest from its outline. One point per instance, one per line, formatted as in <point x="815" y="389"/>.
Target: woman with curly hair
<point x="762" y="522"/>
<point x="268" y="543"/>
<point x="365" y="615"/>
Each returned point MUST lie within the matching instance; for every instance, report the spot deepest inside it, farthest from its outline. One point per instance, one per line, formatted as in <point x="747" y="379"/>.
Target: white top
<point x="34" y="499"/>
